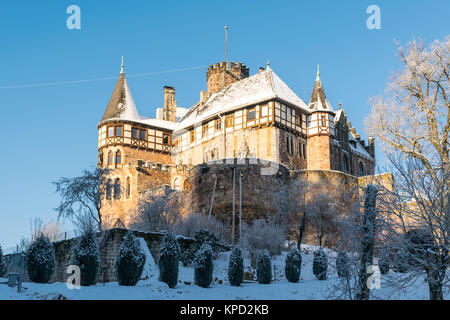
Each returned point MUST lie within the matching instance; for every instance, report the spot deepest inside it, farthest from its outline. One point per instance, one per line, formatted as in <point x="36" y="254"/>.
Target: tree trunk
<point x="301" y="231"/>
<point x="367" y="239"/>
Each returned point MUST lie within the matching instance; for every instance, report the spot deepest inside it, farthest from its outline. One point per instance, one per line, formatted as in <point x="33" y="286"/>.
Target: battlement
<point x="220" y="76"/>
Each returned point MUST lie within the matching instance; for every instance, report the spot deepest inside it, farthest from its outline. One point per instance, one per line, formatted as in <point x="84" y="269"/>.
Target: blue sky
<point x="51" y="131"/>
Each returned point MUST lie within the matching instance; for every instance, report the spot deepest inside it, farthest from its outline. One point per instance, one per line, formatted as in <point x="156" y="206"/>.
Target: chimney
<point x="261" y="69"/>
<point x="170" y="113"/>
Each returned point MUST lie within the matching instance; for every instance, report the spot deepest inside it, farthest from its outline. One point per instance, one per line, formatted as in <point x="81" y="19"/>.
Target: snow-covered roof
<point x="359" y="148"/>
<point x="263" y="86"/>
<point x="319" y="101"/>
<point x="121" y="104"/>
<point x="180" y="112"/>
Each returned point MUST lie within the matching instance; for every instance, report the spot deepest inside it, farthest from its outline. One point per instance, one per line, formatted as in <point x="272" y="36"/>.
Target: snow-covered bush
<point x="342" y="264"/>
<point x="320" y="264"/>
<point x="87" y="256"/>
<point x="201" y="237"/>
<point x="168" y="260"/>
<point x="2" y="263"/>
<point x="41" y="261"/>
<point x="236" y="267"/>
<point x="203" y="264"/>
<point x="263" y="267"/>
<point x="293" y="265"/>
<point x="130" y="261"/>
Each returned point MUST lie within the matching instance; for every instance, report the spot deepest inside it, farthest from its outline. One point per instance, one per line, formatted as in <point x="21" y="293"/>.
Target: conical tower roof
<point x="319" y="101"/>
<point x="121" y="104"/>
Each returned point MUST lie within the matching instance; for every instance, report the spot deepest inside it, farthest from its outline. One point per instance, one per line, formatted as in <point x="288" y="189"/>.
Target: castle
<point x="241" y="119"/>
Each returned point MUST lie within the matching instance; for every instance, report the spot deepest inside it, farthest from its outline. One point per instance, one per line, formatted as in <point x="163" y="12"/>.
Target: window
<point x="142" y="134"/>
<point x="108" y="189"/>
<point x="229" y="121"/>
<point x="251" y="114"/>
<point x="288" y="145"/>
<point x="134" y="133"/>
<point x="304" y="151"/>
<point x="192" y="136"/>
<point x="218" y="124"/>
<point x="117" y="189"/>
<point x="110" y="158"/>
<point x="298" y="119"/>
<point x="176" y="184"/>
<point x="118" y="158"/>
<point x="300" y="150"/>
<point x="292" y="145"/>
<point x="110" y="131"/>
<point x="118" y="131"/>
<point x="128" y="187"/>
<point x="100" y="159"/>
<point x="323" y="121"/>
<point x="204" y="130"/>
<point x="166" y="139"/>
<point x="361" y="169"/>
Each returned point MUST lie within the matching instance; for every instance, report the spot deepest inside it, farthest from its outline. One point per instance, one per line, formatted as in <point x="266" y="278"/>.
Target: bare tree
<point x="51" y="229"/>
<point x="412" y="121"/>
<point x="322" y="214"/>
<point x="83" y="194"/>
<point x="156" y="211"/>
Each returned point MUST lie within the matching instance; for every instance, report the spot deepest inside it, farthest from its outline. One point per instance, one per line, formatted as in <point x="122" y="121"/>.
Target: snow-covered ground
<point x="308" y="288"/>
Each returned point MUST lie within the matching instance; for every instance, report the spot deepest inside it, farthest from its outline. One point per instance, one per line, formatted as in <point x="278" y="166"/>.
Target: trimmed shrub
<point x="293" y="265"/>
<point x="383" y="263"/>
<point x="130" y="261"/>
<point x="168" y="260"/>
<point x="263" y="267"/>
<point x="87" y="256"/>
<point x="2" y="263"/>
<point x="203" y="264"/>
<point x="320" y="264"/>
<point x="40" y="260"/>
<point x="342" y="264"/>
<point x="236" y="267"/>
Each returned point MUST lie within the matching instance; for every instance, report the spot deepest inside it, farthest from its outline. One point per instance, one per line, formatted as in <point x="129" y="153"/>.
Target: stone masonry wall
<point x="109" y="242"/>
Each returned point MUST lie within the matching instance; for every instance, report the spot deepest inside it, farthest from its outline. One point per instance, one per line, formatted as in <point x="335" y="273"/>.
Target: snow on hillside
<point x="150" y="288"/>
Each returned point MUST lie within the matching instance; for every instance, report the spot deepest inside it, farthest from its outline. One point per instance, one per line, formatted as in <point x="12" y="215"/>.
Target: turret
<point x="320" y="128"/>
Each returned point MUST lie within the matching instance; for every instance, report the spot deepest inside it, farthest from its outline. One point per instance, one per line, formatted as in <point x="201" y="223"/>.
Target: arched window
<point x="117" y="189"/>
<point x="118" y="158"/>
<point x="176" y="184"/>
<point x="128" y="187"/>
<point x="110" y="158"/>
<point x="361" y="169"/>
<point x="108" y="189"/>
<point x="186" y="185"/>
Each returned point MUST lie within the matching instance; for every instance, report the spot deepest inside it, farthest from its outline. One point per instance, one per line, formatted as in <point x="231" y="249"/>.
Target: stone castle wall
<point x="109" y="242"/>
